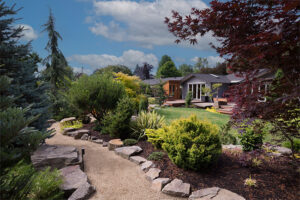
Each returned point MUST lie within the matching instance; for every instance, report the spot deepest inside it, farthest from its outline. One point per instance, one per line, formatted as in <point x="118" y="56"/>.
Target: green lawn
<point x="172" y="113"/>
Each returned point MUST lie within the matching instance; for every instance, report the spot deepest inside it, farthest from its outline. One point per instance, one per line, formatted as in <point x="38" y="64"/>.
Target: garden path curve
<point x="114" y="178"/>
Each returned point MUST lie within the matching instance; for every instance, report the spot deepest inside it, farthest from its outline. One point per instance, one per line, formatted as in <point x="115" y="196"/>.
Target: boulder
<point x="208" y="193"/>
<point x="177" y="188"/>
<point x="67" y="130"/>
<point x="232" y="147"/>
<point x="152" y="174"/>
<point x="94" y="138"/>
<point x="105" y="144"/>
<point x="51" y="121"/>
<point x="98" y="141"/>
<point x="80" y="133"/>
<point x="115" y="143"/>
<point x="137" y="159"/>
<point x="159" y="183"/>
<point x="147" y="165"/>
<point x="128" y="151"/>
<point x="283" y="150"/>
<point x="69" y="119"/>
<point x="54" y="156"/>
<point x="73" y="178"/>
<point x="85" y="137"/>
<point x="83" y="192"/>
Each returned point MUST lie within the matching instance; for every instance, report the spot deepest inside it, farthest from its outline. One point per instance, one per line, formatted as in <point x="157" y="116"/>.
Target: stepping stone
<point x="54" y="156"/>
<point x="73" y="178"/>
<point x="177" y="188"/>
<point x="94" y="138"/>
<point x="72" y="133"/>
<point x="66" y="130"/>
<point x="207" y="193"/>
<point x="98" y="141"/>
<point x="152" y="174"/>
<point x="105" y="144"/>
<point x="283" y="150"/>
<point x="159" y="183"/>
<point x="85" y="137"/>
<point x="83" y="192"/>
<point x="80" y="133"/>
<point x="147" y="165"/>
<point x="232" y="147"/>
<point x="51" y="121"/>
<point x="126" y="152"/>
<point x="116" y="143"/>
<point x="69" y="119"/>
<point x="137" y="159"/>
<point x="224" y="194"/>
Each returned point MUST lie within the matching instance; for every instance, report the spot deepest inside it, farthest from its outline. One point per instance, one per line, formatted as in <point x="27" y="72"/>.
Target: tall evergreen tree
<point x="143" y="71"/>
<point x="17" y="63"/>
<point x="163" y="60"/>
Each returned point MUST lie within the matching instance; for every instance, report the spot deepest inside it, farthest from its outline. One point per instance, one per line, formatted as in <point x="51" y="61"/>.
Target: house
<point x="171" y="86"/>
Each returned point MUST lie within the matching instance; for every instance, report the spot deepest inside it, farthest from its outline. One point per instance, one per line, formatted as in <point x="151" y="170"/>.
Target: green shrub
<point x="85" y="119"/>
<point x="23" y="182"/>
<point x="74" y="124"/>
<point x="143" y="105"/>
<point x="117" y="122"/>
<point x="190" y="143"/>
<point x="146" y="120"/>
<point x="287" y="144"/>
<point x="156" y="155"/>
<point x="130" y="142"/>
<point x="152" y="100"/>
<point x="97" y="126"/>
<point x="96" y="94"/>
<point x="252" y="135"/>
<point x="226" y="136"/>
<point x="188" y="99"/>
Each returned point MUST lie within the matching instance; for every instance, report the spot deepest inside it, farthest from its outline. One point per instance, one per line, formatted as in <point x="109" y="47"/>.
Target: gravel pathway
<point x="115" y="178"/>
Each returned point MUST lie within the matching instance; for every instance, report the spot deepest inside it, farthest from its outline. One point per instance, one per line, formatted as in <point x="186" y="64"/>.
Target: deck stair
<point x="227" y="109"/>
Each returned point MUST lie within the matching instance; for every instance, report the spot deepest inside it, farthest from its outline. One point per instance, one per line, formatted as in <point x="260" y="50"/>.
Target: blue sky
<point x="97" y="33"/>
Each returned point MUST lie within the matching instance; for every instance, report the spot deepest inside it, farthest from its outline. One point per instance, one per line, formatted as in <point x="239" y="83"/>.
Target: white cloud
<point x="129" y="58"/>
<point x="28" y="32"/>
<point x="79" y="70"/>
<point x="212" y="60"/>
<point x="143" y="22"/>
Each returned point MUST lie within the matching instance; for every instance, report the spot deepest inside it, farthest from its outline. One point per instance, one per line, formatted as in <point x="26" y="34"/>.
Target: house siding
<point x="193" y="80"/>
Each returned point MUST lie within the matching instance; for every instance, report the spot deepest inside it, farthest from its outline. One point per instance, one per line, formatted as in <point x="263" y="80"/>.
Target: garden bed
<point x="276" y="179"/>
<point x="90" y="126"/>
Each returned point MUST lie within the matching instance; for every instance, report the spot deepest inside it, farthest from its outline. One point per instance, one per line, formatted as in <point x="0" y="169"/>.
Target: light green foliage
<point x="130" y="142"/>
<point x="152" y="100"/>
<point x="168" y="70"/>
<point x="190" y="143"/>
<point x="156" y="155"/>
<point x="296" y="143"/>
<point x="256" y="162"/>
<point x="23" y="182"/>
<point x="200" y="64"/>
<point x="250" y="182"/>
<point x="252" y="135"/>
<point x="114" y="69"/>
<point x="74" y="124"/>
<point x="188" y="99"/>
<point x="185" y="69"/>
<point x="96" y="94"/>
<point x="163" y="60"/>
<point x="117" y="122"/>
<point x="146" y="120"/>
<point x="226" y="134"/>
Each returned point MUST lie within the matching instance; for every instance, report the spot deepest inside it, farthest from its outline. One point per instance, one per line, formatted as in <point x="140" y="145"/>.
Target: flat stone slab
<point x="126" y="152"/>
<point x="115" y="143"/>
<point x="159" y="183"/>
<point x="66" y="130"/>
<point x="69" y="119"/>
<point x="283" y="150"/>
<point x="147" y="165"/>
<point x="177" y="188"/>
<point x="232" y="147"/>
<point x="215" y="193"/>
<point x="54" y="156"/>
<point x="105" y="144"/>
<point x="72" y="133"/>
<point x="80" y="133"/>
<point x="85" y="137"/>
<point x="98" y="141"/>
<point x="83" y="192"/>
<point x="73" y="178"/>
<point x="137" y="159"/>
<point x="152" y="174"/>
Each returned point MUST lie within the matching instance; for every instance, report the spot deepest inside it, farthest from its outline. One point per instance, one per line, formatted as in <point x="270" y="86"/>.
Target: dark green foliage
<point x="85" y="119"/>
<point x="160" y="93"/>
<point x="97" y="126"/>
<point x="143" y="105"/>
<point x="96" y="94"/>
<point x="156" y="155"/>
<point x="225" y="135"/>
<point x="296" y="145"/>
<point x="252" y="135"/>
<point x="163" y="60"/>
<point x="23" y="182"/>
<point x="188" y="99"/>
<point x="190" y="143"/>
<point x="185" y="69"/>
<point x="220" y="69"/>
<point x="114" y="68"/>
<point x="117" y="122"/>
<point x="130" y="142"/>
<point x="168" y="70"/>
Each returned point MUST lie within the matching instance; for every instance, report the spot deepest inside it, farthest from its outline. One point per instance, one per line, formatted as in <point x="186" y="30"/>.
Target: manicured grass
<point x="173" y="113"/>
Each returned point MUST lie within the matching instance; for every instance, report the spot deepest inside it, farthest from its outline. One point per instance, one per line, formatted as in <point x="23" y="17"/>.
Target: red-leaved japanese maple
<point x="254" y="35"/>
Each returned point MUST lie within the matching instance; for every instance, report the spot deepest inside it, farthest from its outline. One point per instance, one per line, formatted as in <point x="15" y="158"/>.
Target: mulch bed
<point x="276" y="179"/>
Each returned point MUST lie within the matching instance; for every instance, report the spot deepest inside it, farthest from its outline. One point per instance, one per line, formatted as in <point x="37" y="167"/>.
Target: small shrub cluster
<point x="117" y="122"/>
<point x="146" y="120"/>
<point x="143" y="105"/>
<point x="226" y="136"/>
<point x="152" y="100"/>
<point x="250" y="182"/>
<point x="296" y="144"/>
<point x="156" y="155"/>
<point x="212" y="110"/>
<point x="75" y="124"/>
<point x="130" y="142"/>
<point x="188" y="99"/>
<point x="190" y="143"/>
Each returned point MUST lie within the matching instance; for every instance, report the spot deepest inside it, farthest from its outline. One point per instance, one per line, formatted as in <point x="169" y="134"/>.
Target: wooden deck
<point x="196" y="102"/>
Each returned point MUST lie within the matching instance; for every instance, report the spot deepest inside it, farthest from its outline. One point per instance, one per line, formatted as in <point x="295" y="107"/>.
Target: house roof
<point x="158" y="80"/>
<point x="209" y="78"/>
